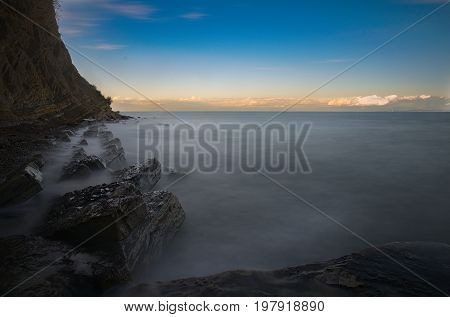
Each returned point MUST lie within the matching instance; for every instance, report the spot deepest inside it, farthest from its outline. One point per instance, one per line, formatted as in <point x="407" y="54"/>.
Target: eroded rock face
<point x="367" y="273"/>
<point x="145" y="176"/>
<point x="21" y="185"/>
<point x="114" y="155"/>
<point x="37" y="78"/>
<point x="92" y="131"/>
<point x="81" y="165"/>
<point x="116" y="221"/>
<point x="166" y="218"/>
<point x="83" y="142"/>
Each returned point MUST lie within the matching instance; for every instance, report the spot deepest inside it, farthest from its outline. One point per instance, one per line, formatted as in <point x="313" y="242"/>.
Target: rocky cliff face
<point x="38" y="81"/>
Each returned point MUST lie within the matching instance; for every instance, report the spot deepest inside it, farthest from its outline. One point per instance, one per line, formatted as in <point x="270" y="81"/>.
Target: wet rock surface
<point x="145" y="175"/>
<point x="22" y="184"/>
<point x="34" y="266"/>
<point x="83" y="142"/>
<point x="92" y="131"/>
<point x="115" y="223"/>
<point x="114" y="155"/>
<point x="409" y="269"/>
<point x="81" y="165"/>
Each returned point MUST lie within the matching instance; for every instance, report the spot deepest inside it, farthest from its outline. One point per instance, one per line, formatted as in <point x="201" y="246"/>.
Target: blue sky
<point x="200" y="50"/>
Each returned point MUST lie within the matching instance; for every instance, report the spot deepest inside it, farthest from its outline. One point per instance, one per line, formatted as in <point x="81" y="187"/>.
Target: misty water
<point x="385" y="176"/>
<point x="25" y="217"/>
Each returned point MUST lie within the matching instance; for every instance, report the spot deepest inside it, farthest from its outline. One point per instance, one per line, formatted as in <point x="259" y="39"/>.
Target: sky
<point x="213" y="54"/>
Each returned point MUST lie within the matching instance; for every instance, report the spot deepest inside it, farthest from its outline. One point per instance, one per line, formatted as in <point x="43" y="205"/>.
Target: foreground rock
<point x="81" y="165"/>
<point x="20" y="185"/>
<point x="368" y="273"/>
<point x="117" y="223"/>
<point x="34" y="266"/>
<point x="145" y="176"/>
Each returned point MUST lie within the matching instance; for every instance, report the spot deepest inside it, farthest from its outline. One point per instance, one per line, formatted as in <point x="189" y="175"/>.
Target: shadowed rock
<point x="22" y="184"/>
<point x="81" y="165"/>
<point x="367" y="273"/>
<point x="114" y="155"/>
<point x="117" y="222"/>
<point x="34" y="266"/>
<point x="38" y="80"/>
<point x="145" y="176"/>
<point x="92" y="130"/>
<point x="106" y="136"/>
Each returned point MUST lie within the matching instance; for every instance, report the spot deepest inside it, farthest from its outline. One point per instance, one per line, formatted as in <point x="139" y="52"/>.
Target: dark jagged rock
<point x="20" y="185"/>
<point x="93" y="130"/>
<point x="83" y="142"/>
<point x="117" y="222"/>
<point x="145" y="176"/>
<point x="367" y="273"/>
<point x="114" y="155"/>
<point x="34" y="266"/>
<point x="81" y="165"/>
<point x="106" y="136"/>
<point x="115" y="142"/>
<point x="64" y="137"/>
<point x="69" y="132"/>
<point x="166" y="217"/>
<point x="38" y="159"/>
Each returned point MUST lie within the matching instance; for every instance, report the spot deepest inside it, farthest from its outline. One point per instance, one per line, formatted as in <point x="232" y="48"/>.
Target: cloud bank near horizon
<point x="360" y="103"/>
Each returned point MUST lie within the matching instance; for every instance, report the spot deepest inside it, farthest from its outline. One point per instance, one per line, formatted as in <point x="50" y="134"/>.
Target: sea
<point x="363" y="179"/>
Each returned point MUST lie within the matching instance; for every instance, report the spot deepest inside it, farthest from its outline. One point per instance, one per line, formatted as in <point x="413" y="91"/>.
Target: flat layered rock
<point x="116" y="221"/>
<point x="22" y="184"/>
<point x="114" y="155"/>
<point x="81" y="165"/>
<point x="400" y="269"/>
<point x="145" y="175"/>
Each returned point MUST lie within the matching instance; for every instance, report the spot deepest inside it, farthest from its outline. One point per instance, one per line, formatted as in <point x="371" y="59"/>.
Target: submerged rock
<point x="81" y="165"/>
<point x="21" y="185"/>
<point x="400" y="269"/>
<point x="83" y="142"/>
<point x="145" y="176"/>
<point x="116" y="221"/>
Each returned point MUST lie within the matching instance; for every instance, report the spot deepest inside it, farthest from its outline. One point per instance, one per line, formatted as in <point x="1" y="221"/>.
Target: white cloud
<point x="104" y="47"/>
<point x="135" y="10"/>
<point x="374" y="100"/>
<point x="194" y="16"/>
<point x="131" y="9"/>
<point x="365" y="103"/>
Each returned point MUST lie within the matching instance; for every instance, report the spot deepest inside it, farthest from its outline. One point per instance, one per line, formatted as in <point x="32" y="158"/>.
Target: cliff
<point x="38" y="81"/>
<point x="41" y="91"/>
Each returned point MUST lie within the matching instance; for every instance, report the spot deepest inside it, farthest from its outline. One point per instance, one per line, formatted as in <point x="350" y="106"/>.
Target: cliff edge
<point x="38" y="81"/>
<point x="41" y="91"/>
